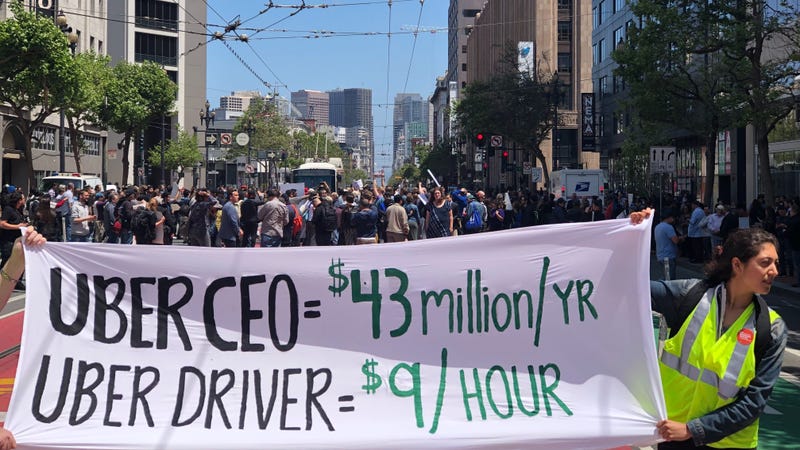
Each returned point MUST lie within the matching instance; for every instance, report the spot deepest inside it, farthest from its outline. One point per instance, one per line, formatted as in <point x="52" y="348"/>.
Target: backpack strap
<point x="690" y="301"/>
<point x="763" y="329"/>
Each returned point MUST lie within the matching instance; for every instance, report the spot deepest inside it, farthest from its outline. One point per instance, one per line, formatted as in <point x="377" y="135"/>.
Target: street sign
<point x="478" y="157"/>
<point x="663" y="160"/>
<point x="225" y="139"/>
<point x="249" y="168"/>
<point x="213" y="172"/>
<point x="478" y="167"/>
<point x="212" y="138"/>
<point x="536" y="174"/>
<point x="496" y="140"/>
<point x="242" y="139"/>
<point x="526" y="167"/>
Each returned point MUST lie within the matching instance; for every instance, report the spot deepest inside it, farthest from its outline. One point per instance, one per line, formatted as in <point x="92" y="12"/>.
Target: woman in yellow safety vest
<point x="717" y="371"/>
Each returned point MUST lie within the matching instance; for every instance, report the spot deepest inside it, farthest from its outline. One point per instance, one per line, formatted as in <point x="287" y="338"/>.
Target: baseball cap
<point x="720" y="208"/>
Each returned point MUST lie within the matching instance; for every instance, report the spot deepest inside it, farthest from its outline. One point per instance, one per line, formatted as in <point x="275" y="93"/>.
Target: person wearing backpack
<point x="473" y="222"/>
<point x="145" y="222"/>
<point x="274" y="217"/>
<point x="325" y="222"/>
<point x="725" y="349"/>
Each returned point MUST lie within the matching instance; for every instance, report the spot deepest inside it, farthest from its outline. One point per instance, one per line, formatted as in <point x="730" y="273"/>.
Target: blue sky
<point x="285" y="57"/>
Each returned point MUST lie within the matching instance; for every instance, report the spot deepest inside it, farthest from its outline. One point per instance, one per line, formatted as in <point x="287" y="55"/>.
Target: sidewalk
<point x="686" y="269"/>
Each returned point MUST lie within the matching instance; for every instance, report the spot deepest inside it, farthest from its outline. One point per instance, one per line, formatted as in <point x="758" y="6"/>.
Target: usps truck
<point x="582" y="182"/>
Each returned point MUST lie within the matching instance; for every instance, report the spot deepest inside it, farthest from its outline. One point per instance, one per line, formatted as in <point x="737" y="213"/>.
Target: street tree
<point x="94" y="74"/>
<point x="269" y="131"/>
<point x="675" y="75"/>
<point x="37" y="75"/>
<point x="179" y="153"/>
<point x="764" y="53"/>
<point x="518" y="104"/>
<point x="439" y="161"/>
<point x="137" y="93"/>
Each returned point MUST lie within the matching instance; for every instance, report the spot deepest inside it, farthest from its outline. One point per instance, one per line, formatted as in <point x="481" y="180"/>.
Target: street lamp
<point x="72" y="42"/>
<point x="555" y="93"/>
<point x="271" y="158"/>
<point x="249" y="129"/>
<point x="207" y="119"/>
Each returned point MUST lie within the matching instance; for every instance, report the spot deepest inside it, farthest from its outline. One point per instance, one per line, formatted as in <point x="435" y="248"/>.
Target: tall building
<point x="238" y="100"/>
<point x="410" y="125"/>
<point x="313" y="105"/>
<point x="162" y="32"/>
<point x="460" y="20"/>
<point x="560" y="36"/>
<point x="352" y="109"/>
<point x="87" y="20"/>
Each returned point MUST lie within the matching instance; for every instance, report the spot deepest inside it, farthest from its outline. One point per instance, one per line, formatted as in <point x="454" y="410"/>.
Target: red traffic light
<point x="505" y="153"/>
<point x="479" y="137"/>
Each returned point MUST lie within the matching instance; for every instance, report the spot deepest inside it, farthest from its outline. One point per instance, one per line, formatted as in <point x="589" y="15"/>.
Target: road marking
<point x="770" y="410"/>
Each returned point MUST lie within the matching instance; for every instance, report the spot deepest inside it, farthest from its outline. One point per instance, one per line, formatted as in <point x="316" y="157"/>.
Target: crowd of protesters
<point x="248" y="217"/>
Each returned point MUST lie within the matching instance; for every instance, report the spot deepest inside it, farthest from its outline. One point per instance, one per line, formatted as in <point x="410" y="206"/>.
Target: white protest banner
<point x="531" y="338"/>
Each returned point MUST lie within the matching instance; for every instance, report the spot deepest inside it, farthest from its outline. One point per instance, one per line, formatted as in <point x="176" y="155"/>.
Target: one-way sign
<point x="212" y="138"/>
<point x="663" y="160"/>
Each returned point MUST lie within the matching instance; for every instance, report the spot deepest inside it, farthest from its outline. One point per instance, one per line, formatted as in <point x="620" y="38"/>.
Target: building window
<point x="603" y="86"/>
<point x="601" y="125"/>
<point x="464" y="67"/>
<point x="100" y="47"/>
<point x="471" y="12"/>
<point x="157" y="14"/>
<point x="619" y="123"/>
<point x="617" y="81"/>
<point x="595" y="21"/>
<point x="564" y="5"/>
<point x="594" y="54"/>
<point x="565" y="63"/>
<point x="619" y="5"/>
<point x="91" y="43"/>
<point x="619" y="36"/>
<point x="564" y="31"/>
<point x="463" y="49"/>
<point x="600" y="12"/>
<point x="159" y="49"/>
<point x="601" y="50"/>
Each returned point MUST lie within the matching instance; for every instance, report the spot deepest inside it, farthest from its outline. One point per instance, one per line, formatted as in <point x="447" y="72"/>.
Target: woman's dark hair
<point x="743" y="244"/>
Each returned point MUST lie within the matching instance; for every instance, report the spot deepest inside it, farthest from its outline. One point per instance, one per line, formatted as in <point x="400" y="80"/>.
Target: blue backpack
<point x="475" y="221"/>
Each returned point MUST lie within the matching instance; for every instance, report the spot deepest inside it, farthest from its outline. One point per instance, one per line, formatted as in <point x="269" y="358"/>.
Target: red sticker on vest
<point x="745" y="337"/>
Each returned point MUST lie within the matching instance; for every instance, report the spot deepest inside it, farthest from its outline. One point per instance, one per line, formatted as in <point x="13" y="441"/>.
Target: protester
<point x="716" y="393"/>
<point x="439" y="216"/>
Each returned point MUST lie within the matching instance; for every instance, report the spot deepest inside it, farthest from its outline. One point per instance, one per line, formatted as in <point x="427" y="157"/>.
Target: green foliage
<point x="179" y="153"/>
<point x="37" y="72"/>
<point x="518" y="105"/>
<point x="785" y="129"/>
<point x="94" y="75"/>
<point x="632" y="169"/>
<point x="136" y="94"/>
<point x="439" y="161"/>
<point x="706" y="66"/>
<point x="409" y="172"/>
<point x="353" y="175"/>
<point x="269" y="132"/>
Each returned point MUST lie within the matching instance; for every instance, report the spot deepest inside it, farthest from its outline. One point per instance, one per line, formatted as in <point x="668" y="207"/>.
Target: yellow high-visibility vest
<point x="701" y="374"/>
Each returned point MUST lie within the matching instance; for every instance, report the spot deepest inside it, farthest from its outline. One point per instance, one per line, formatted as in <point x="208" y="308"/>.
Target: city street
<point x="778" y="425"/>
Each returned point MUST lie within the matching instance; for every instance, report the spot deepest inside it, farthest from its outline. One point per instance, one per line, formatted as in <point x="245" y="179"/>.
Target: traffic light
<point x="480" y="139"/>
<point x="504" y="162"/>
<point x="490" y="152"/>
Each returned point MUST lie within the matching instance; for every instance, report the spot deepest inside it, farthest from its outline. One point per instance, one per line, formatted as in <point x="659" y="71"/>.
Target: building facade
<point x="560" y="33"/>
<point x="352" y="108"/>
<point x="87" y="20"/>
<point x="460" y="19"/>
<point x="410" y="123"/>
<point x="162" y="32"/>
<point x="314" y="105"/>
